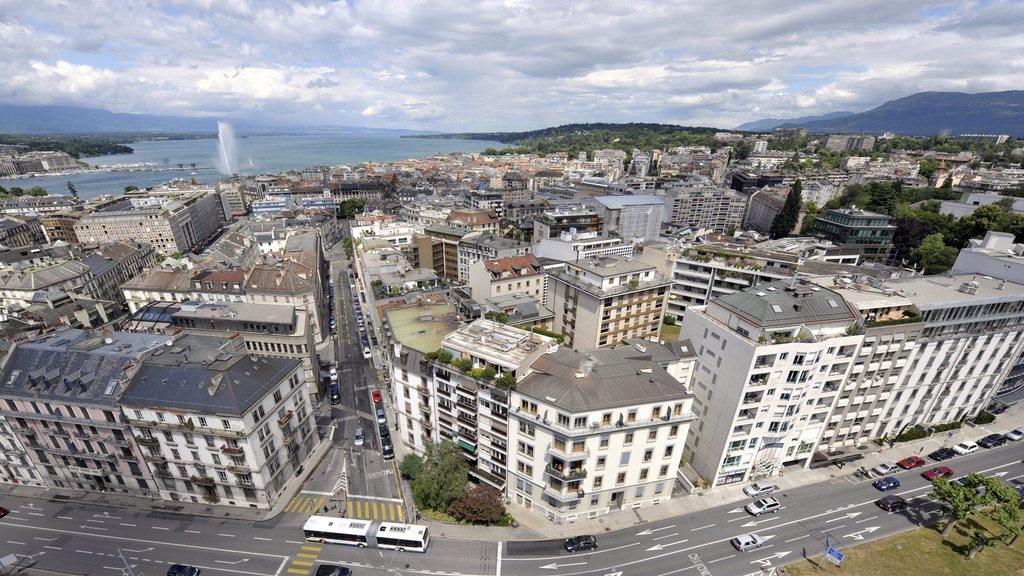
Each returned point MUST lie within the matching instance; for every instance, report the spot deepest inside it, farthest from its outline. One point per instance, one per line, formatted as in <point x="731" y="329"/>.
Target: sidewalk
<point x="533" y="525"/>
<point x="116" y="500"/>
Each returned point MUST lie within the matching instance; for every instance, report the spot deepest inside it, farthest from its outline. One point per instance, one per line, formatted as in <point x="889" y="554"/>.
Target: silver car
<point x="759" y="489"/>
<point x="745" y="542"/>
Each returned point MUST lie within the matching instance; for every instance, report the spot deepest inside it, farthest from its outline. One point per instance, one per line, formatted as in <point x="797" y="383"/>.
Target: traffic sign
<point x="835" y="556"/>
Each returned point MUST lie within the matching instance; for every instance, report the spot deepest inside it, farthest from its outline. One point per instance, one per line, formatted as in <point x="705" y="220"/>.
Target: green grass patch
<point x="670" y="333"/>
<point x="923" y="552"/>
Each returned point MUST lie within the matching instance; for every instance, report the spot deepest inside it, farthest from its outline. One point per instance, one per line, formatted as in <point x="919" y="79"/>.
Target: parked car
<point x="992" y="440"/>
<point x="965" y="448"/>
<point x="4" y="511"/>
<point x="1015" y="435"/>
<point x="759" y="489"/>
<point x="182" y="570"/>
<point x="366" y="353"/>
<point x="884" y="468"/>
<point x="763" y="506"/>
<point x="939" y="472"/>
<point x="942" y="454"/>
<point x="887" y="483"/>
<point x="334" y="372"/>
<point x="911" y="462"/>
<point x="745" y="542"/>
<point x="360" y="437"/>
<point x="386" y="449"/>
<point x="335" y="397"/>
<point x="376" y="396"/>
<point x="332" y="570"/>
<point x="891" y="503"/>
<point x="382" y="417"/>
<point x="580" y="543"/>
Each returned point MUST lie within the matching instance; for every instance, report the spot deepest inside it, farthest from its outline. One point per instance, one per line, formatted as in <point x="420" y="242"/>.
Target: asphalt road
<point x="81" y="539"/>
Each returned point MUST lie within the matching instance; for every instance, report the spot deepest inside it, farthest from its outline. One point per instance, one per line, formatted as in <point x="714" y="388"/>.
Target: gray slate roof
<point x="778" y="304"/>
<point x="611" y="379"/>
<point x="181" y="378"/>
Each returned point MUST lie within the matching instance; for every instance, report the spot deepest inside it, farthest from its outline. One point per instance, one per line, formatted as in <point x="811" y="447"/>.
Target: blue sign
<point x="834" y="555"/>
<point x="949" y="434"/>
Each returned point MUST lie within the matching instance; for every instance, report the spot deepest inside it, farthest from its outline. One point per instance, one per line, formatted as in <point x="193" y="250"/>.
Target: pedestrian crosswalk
<point x="305" y="505"/>
<point x="305" y="560"/>
<point x="375" y="510"/>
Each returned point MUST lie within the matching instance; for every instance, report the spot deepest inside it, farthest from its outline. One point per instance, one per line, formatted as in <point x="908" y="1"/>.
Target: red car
<point x="911" y="462"/>
<point x="376" y="396"/>
<point x="940" y="472"/>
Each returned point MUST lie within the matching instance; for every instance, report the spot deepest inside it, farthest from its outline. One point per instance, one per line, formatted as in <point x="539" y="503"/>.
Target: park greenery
<point x="16" y="191"/>
<point x="985" y="496"/>
<point x="440" y="484"/>
<point x="82" y="145"/>
<point x="348" y="209"/>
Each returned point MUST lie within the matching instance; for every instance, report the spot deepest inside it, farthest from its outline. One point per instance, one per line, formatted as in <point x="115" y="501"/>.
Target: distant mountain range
<point x="926" y="114"/>
<point x="766" y="124"/>
<point x="18" y="119"/>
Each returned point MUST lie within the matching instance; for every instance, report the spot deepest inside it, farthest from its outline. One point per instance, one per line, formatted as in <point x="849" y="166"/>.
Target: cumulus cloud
<point x="502" y="64"/>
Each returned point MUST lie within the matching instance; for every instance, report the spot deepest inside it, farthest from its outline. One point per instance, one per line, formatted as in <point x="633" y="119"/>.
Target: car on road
<point x="580" y="543"/>
<point x="965" y="447"/>
<point x="939" y="472"/>
<point x="992" y="441"/>
<point x="1015" y="435"/>
<point x="891" y="503"/>
<point x="942" y="454"/>
<point x="334" y="372"/>
<point x="886" y="484"/>
<point x="763" y="506"/>
<point x="335" y="398"/>
<point x="4" y="511"/>
<point x="182" y="570"/>
<point x="366" y="353"/>
<point x="759" y="489"/>
<point x="745" y="542"/>
<point x="884" y="468"/>
<point x="377" y="398"/>
<point x="911" y="462"/>
<point x="382" y="417"/>
<point x="386" y="449"/>
<point x="360" y="437"/>
<point x="332" y="570"/>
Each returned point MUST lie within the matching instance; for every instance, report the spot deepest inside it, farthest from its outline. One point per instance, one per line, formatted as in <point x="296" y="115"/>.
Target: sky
<point x="502" y="65"/>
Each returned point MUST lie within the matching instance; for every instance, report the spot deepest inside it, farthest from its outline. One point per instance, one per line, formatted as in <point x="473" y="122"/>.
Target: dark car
<point x="992" y="440"/>
<point x="891" y="503"/>
<point x="4" y="511"/>
<point x="580" y="543"/>
<point x="886" y="484"/>
<point x="182" y="570"/>
<point x="335" y="398"/>
<point x="387" y="450"/>
<point x="332" y="570"/>
<point x="942" y="454"/>
<point x="911" y="462"/>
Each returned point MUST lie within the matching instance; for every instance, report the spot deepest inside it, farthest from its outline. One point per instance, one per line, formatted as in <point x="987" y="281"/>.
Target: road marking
<point x="91" y="527"/>
<point x="843" y="517"/>
<point x="554" y="566"/>
<point x="302" y="563"/>
<point x="43" y="539"/>
<point x="301" y="555"/>
<point x="95" y="521"/>
<point x="865" y="519"/>
<point x="126" y="524"/>
<point x="666" y="536"/>
<point x="860" y="535"/>
<point x="18" y="543"/>
<point x="83" y="551"/>
<point x="497" y="565"/>
<point x="315" y="493"/>
<point x="312" y="548"/>
<point x="226" y="535"/>
<point x="702" y="527"/>
<point x="650" y="531"/>
<point x="261" y="538"/>
<point x="798" y="538"/>
<point x="35" y="513"/>
<point x="837" y="527"/>
<point x="293" y="541"/>
<point x="53" y="547"/>
<point x="65" y="517"/>
<point x="297" y="571"/>
<point x="657" y="547"/>
<point x="598" y="551"/>
<point x="720" y="559"/>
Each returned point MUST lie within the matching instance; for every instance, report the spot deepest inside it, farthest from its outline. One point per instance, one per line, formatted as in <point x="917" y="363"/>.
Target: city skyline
<point x="507" y="66"/>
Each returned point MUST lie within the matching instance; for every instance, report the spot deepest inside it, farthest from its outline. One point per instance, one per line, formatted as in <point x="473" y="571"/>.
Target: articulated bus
<point x="364" y="533"/>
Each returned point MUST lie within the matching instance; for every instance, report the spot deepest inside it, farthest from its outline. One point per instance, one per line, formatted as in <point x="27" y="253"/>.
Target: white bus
<point x="364" y="533"/>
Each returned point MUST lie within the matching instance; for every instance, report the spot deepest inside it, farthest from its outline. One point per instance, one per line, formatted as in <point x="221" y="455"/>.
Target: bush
<point x="480" y="505"/>
<point x="506" y="380"/>
<point x="410" y="467"/>
<point x="947" y="426"/>
<point x="443" y="477"/>
<point x="984" y="418"/>
<point x="560" y="338"/>
<point x="463" y="364"/>
<point x="670" y="320"/>
<point x="911" y="434"/>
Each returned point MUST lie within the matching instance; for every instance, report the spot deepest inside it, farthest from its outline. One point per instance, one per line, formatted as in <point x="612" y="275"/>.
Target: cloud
<point x="502" y="64"/>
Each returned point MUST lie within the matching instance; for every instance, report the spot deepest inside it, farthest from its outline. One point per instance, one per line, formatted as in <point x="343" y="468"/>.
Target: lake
<point x="256" y="155"/>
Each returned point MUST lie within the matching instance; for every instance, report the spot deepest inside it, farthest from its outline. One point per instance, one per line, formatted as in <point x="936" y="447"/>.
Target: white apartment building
<point x="572" y="247"/>
<point x="503" y="276"/>
<point x="770" y="362"/>
<point x="605" y="300"/>
<point x="706" y="270"/>
<point x="632" y="218"/>
<point x="487" y="246"/>
<point x="220" y="427"/>
<point x="595" y="431"/>
<point x="712" y="207"/>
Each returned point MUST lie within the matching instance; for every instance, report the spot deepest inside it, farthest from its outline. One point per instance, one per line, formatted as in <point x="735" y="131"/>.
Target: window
<point x="628" y="439"/>
<point x="639" y="491"/>
<point x="620" y="479"/>
<point x="663" y="471"/>
<point x="579" y="422"/>
<point x="673" y="431"/>
<point x="527" y="429"/>
<point x="643" y="474"/>
<point x="601" y="462"/>
<point x="598" y="480"/>
<point x="652" y="435"/>
<point x="563" y="420"/>
<point x="648" y="454"/>
<point x="525" y="449"/>
<point x="668" y="451"/>
<point x="624" y="459"/>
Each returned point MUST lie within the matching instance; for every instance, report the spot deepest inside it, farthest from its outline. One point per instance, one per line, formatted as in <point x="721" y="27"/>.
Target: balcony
<point x="566" y="473"/>
<point x="239" y="469"/>
<point x="747" y="414"/>
<point x="232" y="450"/>
<point x="283" y="420"/>
<point x="80" y="454"/>
<point x="148" y="442"/>
<point x="187" y="426"/>
<point x="466" y="419"/>
<point x="202" y="480"/>
<point x="574" y="456"/>
<point x="163" y="473"/>
<point x="64" y="419"/>
<point x="568" y="496"/>
<point x="597" y="428"/>
<point x="154" y="458"/>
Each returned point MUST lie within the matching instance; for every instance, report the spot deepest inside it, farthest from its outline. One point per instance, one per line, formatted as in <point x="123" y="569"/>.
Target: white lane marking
<point x="35" y="513"/>
<point x="865" y="519"/>
<point x="106" y="515"/>
<point x="315" y="493"/>
<point x="53" y="547"/>
<point x="43" y="539"/>
<point x="126" y="524"/>
<point x="720" y="559"/>
<point x="193" y="531"/>
<point x="598" y="551"/>
<point x="837" y="527"/>
<point x="159" y="528"/>
<point x="650" y="531"/>
<point x="665" y="536"/>
<point x="702" y="527"/>
<point x="83" y="551"/>
<point x="95" y="521"/>
<point x="91" y="527"/>
<point x="260" y="538"/>
<point x="497" y="565"/>
<point x="798" y="538"/>
<point x="226" y="535"/>
<point x="65" y="517"/>
<point x="16" y="542"/>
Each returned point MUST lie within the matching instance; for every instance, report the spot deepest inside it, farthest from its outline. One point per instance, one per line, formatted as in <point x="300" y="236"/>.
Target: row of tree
<point x="15" y="191"/>
<point x="980" y="496"/>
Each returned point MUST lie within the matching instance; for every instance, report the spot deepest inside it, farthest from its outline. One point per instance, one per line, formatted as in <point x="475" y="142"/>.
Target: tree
<point x="927" y="167"/>
<point x="180" y="165"/>
<point x="808" y="223"/>
<point x="71" y="188"/>
<point x="786" y="219"/>
<point x="958" y="498"/>
<point x="933" y="255"/>
<point x="130" y="188"/>
<point x="910" y="232"/>
<point x="410" y="466"/>
<point x="480" y="505"/>
<point x="348" y="209"/>
<point x="348" y="246"/>
<point x="36" y="191"/>
<point x="192" y="164"/>
<point x="443" y="477"/>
